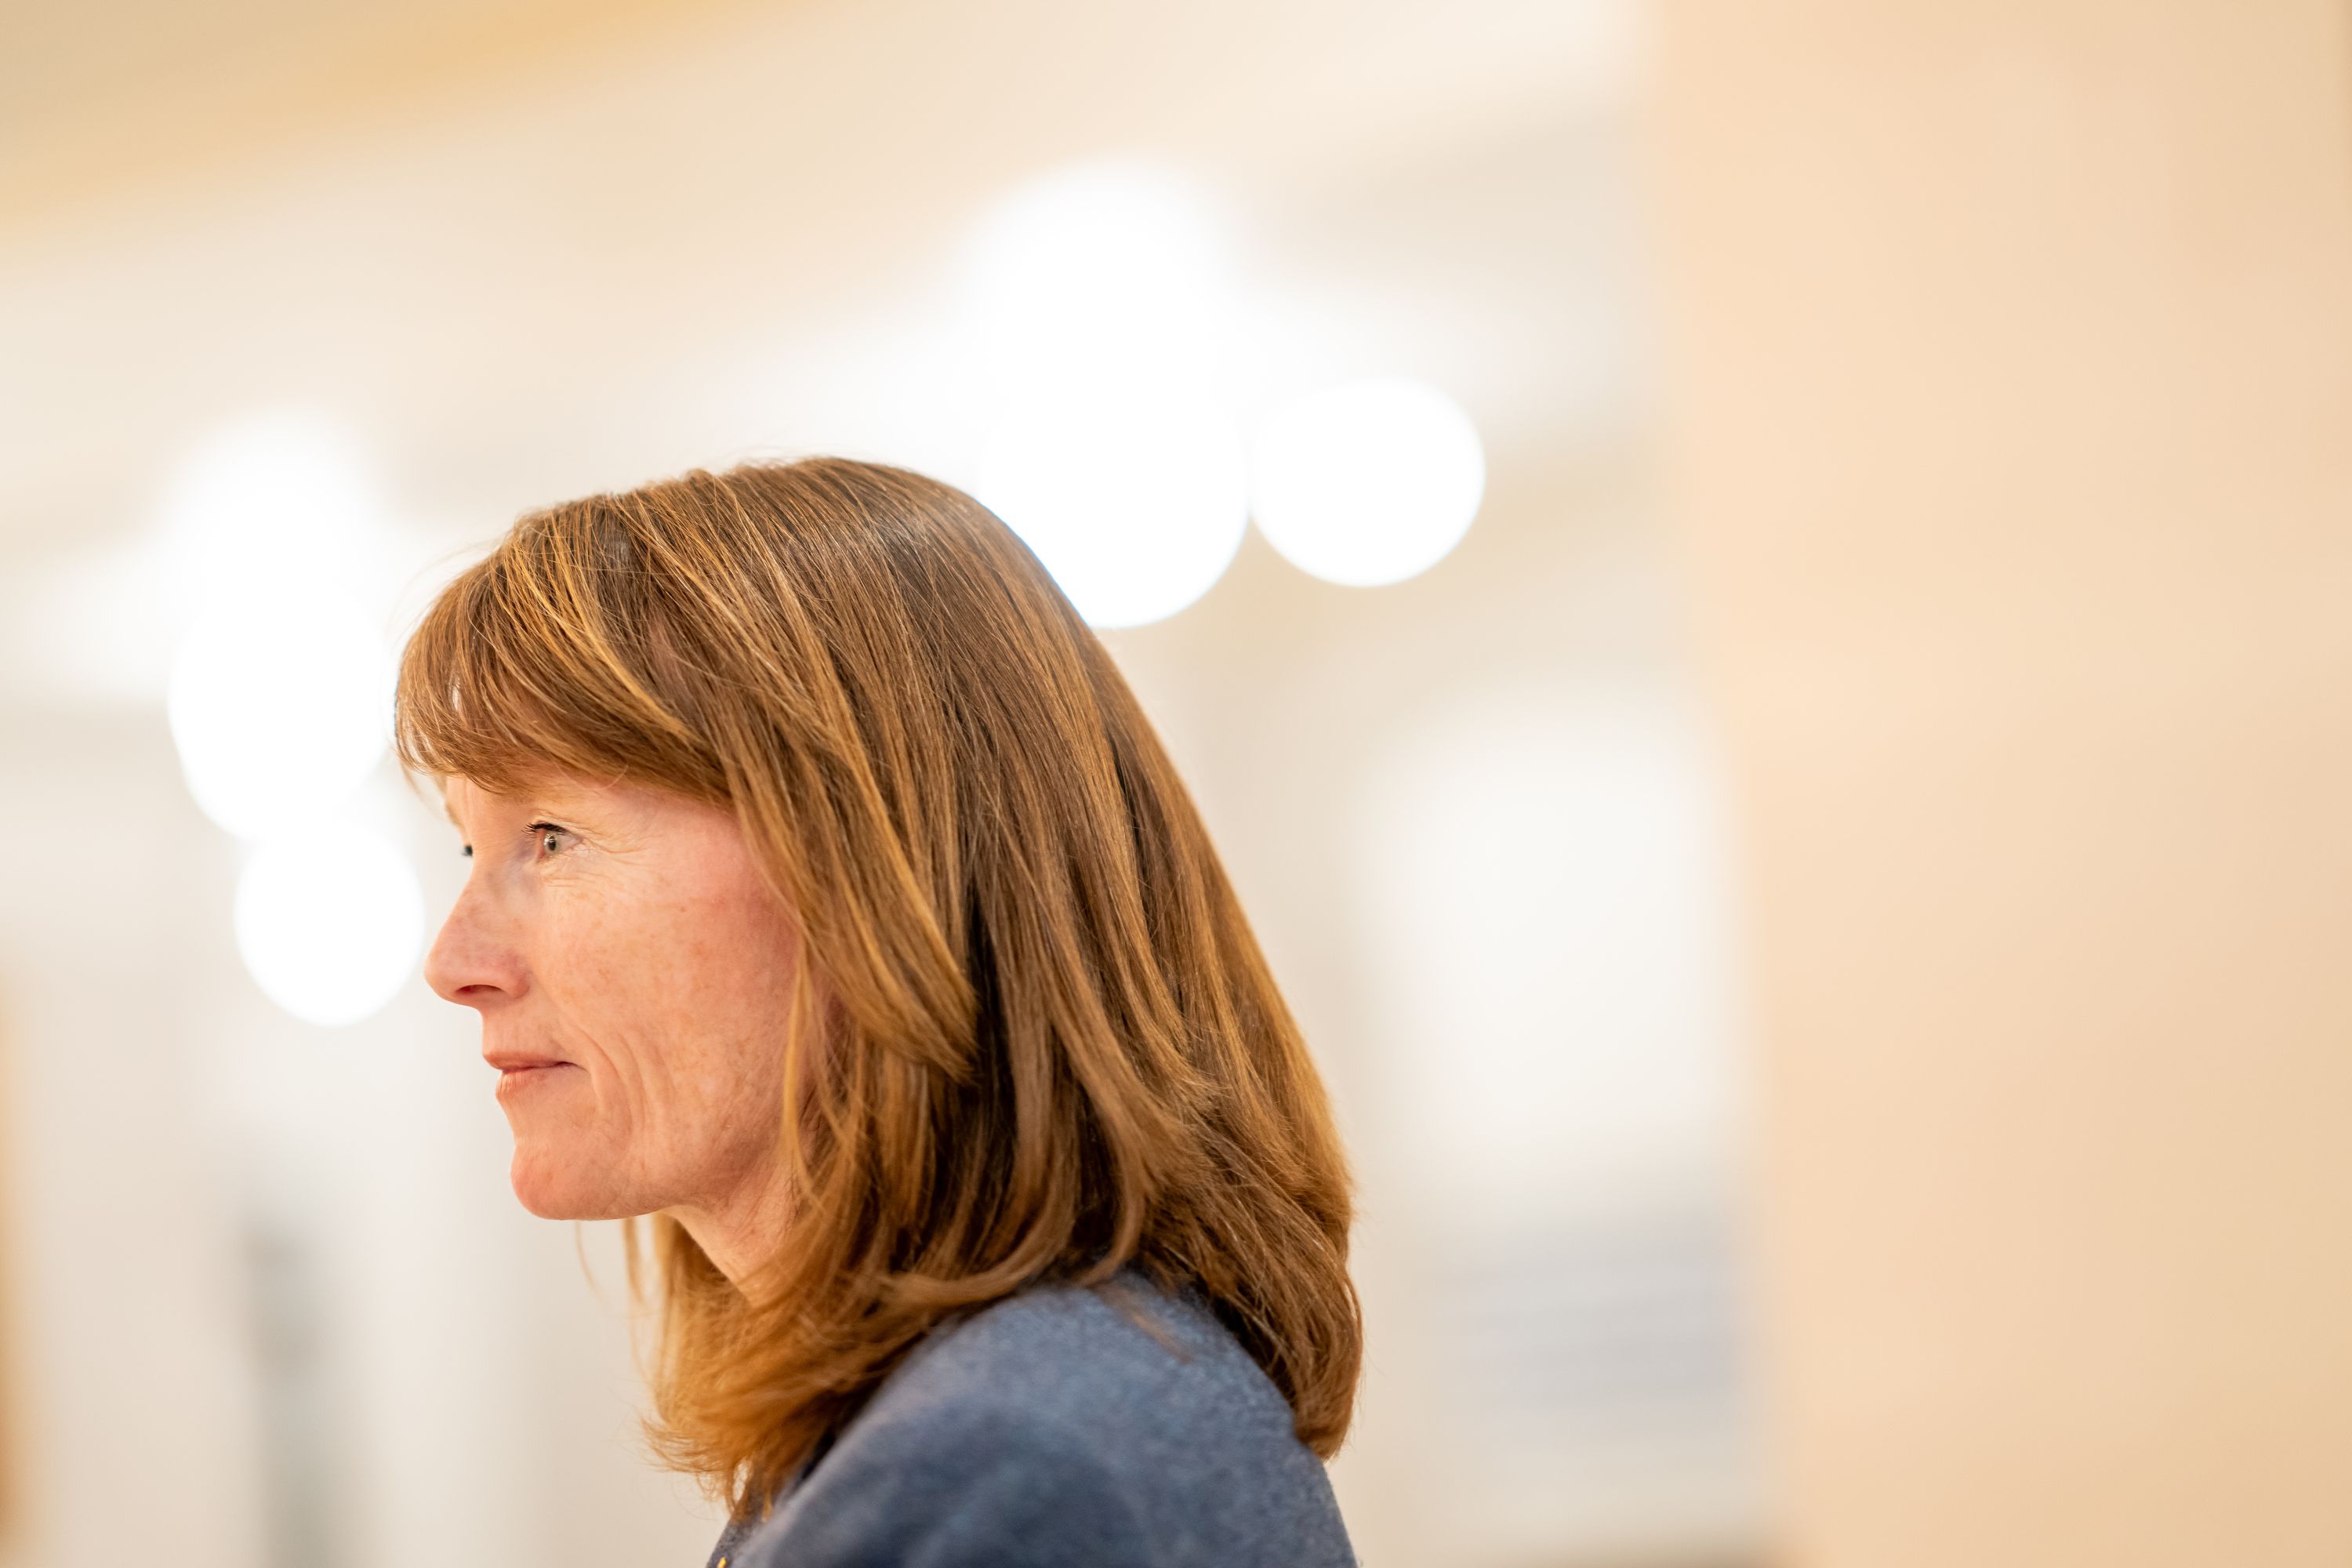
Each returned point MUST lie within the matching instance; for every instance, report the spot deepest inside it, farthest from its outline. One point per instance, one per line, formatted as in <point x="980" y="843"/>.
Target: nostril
<point x="481" y="994"/>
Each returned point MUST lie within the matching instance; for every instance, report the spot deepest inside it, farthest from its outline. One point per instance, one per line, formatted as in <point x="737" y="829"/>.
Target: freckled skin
<point x="639" y="946"/>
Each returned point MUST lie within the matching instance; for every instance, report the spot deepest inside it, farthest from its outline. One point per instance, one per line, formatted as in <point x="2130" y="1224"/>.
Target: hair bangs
<point x="517" y="671"/>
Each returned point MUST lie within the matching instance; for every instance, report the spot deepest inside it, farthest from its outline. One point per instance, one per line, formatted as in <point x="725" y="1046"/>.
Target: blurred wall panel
<point x="2014" y="359"/>
<point x="134" y="1413"/>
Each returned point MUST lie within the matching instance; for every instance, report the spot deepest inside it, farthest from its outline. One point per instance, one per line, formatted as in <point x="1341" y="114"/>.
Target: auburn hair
<point x="1034" y="1040"/>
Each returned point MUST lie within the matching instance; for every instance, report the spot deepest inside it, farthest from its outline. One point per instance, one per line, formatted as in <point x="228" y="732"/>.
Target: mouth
<point x="518" y="1072"/>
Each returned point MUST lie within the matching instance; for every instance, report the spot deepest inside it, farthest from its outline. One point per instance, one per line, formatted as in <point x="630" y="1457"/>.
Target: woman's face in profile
<point x="632" y="969"/>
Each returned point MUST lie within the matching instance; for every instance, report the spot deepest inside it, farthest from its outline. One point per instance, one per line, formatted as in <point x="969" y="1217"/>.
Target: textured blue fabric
<point x="1051" y="1429"/>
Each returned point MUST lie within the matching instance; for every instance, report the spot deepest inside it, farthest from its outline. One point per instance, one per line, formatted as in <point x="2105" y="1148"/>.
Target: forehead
<point x="552" y="790"/>
<point x="460" y="794"/>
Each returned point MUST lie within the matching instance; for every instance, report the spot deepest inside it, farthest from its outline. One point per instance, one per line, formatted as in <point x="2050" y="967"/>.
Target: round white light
<point x="272" y="502"/>
<point x="279" y="708"/>
<point x="329" y="922"/>
<point x="1095" y="268"/>
<point x="1135" y="503"/>
<point x="1367" y="483"/>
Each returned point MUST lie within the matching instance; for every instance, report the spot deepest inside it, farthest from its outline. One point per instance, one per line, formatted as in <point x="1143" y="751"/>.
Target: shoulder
<point x="1112" y="1427"/>
<point x="1123" y="1364"/>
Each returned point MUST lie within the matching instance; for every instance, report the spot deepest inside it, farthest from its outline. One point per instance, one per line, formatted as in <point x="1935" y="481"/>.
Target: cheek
<point x="604" y="978"/>
<point x="727" y="1006"/>
<point x="677" y="1010"/>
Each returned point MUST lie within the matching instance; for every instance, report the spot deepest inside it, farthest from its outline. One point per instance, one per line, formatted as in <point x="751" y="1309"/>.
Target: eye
<point x="467" y="850"/>
<point x="552" y="839"/>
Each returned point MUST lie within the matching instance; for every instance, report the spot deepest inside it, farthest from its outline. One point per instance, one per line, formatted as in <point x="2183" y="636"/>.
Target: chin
<point x="554" y="1186"/>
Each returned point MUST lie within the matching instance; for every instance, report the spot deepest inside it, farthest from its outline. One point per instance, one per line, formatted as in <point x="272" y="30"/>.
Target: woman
<point x="832" y="903"/>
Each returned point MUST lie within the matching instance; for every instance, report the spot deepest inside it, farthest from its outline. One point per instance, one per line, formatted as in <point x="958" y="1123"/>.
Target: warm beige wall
<point x="2013" y="354"/>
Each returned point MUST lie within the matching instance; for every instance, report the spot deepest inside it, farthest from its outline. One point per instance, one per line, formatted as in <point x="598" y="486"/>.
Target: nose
<point x="472" y="962"/>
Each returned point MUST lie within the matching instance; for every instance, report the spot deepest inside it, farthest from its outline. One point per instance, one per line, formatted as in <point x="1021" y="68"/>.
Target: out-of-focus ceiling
<point x="103" y="95"/>
<point x="529" y="254"/>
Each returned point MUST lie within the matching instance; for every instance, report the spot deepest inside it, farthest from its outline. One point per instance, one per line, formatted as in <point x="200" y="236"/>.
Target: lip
<point x="521" y="1077"/>
<point x="521" y="1061"/>
<point x="517" y="1068"/>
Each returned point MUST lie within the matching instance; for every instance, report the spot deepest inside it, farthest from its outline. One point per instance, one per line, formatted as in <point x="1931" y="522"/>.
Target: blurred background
<point x="1759" y="599"/>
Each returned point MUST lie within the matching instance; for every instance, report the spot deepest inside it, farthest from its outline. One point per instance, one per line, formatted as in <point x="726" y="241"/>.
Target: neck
<point x="741" y="1230"/>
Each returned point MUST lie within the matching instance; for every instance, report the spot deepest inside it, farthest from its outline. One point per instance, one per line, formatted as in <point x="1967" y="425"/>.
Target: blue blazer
<point x="1049" y="1429"/>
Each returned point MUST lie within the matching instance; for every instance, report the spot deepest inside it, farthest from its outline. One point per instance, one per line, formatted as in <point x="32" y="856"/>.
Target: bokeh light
<point x="280" y="694"/>
<point x="1367" y="483"/>
<point x="1097" y="297"/>
<point x="331" y="921"/>
<point x="272" y="501"/>
<point x="278" y="708"/>
<point x="279" y="703"/>
<point x="1136" y="504"/>
<point x="1116" y="267"/>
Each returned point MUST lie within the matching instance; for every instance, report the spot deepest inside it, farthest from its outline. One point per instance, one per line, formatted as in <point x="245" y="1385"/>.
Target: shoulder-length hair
<point x="1036" y="1039"/>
